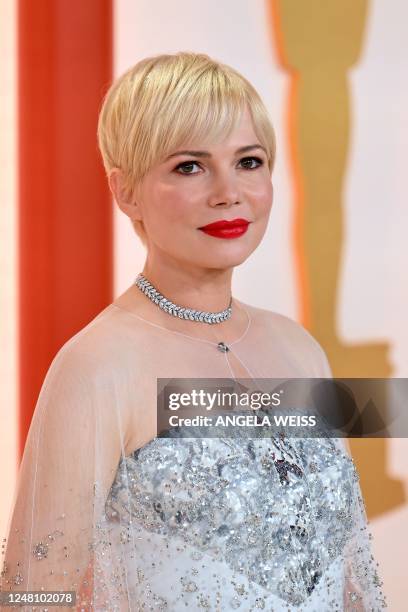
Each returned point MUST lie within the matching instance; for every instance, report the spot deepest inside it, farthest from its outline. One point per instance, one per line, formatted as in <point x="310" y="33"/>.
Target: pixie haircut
<point x="166" y="101"/>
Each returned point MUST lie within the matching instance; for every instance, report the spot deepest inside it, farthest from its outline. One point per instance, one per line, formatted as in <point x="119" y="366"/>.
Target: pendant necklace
<point x="182" y="312"/>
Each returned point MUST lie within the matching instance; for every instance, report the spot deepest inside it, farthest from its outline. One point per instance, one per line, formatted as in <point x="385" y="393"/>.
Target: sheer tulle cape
<point x="96" y="406"/>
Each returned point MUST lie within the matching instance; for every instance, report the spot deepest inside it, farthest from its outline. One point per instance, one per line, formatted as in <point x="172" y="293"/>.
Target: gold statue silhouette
<point x="317" y="43"/>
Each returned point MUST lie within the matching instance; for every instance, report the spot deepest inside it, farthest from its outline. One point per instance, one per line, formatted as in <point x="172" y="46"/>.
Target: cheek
<point x="167" y="206"/>
<point x="262" y="197"/>
<point x="269" y="198"/>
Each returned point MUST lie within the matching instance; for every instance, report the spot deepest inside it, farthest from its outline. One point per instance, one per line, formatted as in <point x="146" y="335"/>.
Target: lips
<point x="223" y="223"/>
<point x="226" y="229"/>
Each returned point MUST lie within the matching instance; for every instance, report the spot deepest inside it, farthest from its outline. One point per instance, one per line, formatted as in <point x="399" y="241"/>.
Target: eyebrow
<point x="207" y="154"/>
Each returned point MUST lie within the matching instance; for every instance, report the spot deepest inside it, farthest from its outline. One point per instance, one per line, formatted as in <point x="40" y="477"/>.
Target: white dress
<point x="133" y="521"/>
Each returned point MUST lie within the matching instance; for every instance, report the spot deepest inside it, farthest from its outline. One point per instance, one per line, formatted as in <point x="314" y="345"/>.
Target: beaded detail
<point x="180" y="311"/>
<point x="242" y="524"/>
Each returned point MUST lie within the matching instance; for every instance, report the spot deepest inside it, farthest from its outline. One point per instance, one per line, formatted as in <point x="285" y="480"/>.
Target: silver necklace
<point x="182" y="312"/>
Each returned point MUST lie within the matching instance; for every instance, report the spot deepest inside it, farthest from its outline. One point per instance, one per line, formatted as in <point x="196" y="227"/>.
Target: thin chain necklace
<point x="187" y="313"/>
<point x="217" y="345"/>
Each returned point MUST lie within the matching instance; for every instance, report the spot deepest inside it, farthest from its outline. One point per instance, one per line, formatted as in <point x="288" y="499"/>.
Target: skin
<point x="178" y="196"/>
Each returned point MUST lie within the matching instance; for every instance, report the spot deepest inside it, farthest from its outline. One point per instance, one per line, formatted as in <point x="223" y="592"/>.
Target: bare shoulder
<point x="291" y="337"/>
<point x="99" y="349"/>
<point x="273" y="320"/>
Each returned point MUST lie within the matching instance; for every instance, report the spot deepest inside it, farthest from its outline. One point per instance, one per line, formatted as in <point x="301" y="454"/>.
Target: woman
<point x="133" y="521"/>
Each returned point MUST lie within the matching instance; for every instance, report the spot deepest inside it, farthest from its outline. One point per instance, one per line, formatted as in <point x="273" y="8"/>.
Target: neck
<point x="198" y="288"/>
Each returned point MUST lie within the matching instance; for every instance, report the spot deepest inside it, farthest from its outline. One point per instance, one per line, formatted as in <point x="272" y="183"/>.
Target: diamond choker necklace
<point x="180" y="311"/>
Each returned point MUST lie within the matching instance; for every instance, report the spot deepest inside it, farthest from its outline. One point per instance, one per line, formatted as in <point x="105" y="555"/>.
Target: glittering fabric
<point x="182" y="523"/>
<point x="249" y="524"/>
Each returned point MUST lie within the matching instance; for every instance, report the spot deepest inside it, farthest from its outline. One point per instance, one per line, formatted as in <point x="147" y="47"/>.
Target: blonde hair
<point x="165" y="101"/>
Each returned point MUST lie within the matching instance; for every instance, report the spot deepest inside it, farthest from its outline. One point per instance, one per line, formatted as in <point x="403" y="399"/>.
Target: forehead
<point x="242" y="134"/>
<point x="243" y="129"/>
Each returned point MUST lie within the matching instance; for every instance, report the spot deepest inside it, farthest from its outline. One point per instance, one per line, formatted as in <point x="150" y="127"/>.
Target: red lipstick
<point x="226" y="229"/>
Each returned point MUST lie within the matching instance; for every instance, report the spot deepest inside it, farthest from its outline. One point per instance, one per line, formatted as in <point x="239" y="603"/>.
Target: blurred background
<point x="334" y="77"/>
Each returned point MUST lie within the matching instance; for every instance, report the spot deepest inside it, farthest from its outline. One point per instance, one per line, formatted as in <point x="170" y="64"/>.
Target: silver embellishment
<point x="4" y="570"/>
<point x="182" y="312"/>
<point x="279" y="512"/>
<point x="40" y="551"/>
<point x="221" y="346"/>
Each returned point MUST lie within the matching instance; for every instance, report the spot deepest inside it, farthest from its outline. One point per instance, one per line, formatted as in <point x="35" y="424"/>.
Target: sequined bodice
<point x="271" y="511"/>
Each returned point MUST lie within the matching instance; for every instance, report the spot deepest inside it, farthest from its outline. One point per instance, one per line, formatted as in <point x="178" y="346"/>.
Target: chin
<point x="223" y="259"/>
<point x="213" y="253"/>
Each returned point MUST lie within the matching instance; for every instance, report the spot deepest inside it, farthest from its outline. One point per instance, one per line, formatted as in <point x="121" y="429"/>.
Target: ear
<point x="117" y="186"/>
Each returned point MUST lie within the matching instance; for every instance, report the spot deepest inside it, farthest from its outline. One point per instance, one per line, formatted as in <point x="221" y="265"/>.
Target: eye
<point x="258" y="160"/>
<point x="186" y="166"/>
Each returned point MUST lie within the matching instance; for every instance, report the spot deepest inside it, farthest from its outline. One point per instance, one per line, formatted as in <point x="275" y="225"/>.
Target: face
<point x="190" y="190"/>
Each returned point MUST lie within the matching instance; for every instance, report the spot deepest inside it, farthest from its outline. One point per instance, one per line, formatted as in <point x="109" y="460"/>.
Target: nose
<point x="225" y="190"/>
